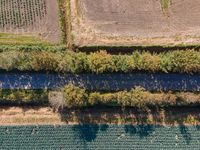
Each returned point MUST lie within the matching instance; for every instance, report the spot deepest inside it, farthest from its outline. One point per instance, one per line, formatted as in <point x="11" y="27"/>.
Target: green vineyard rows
<point x="126" y="137"/>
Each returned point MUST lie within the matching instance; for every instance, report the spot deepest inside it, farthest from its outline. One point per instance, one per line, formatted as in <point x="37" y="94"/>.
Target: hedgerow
<point x="136" y="97"/>
<point x="187" y="61"/>
<point x="22" y="96"/>
<point x="74" y="96"/>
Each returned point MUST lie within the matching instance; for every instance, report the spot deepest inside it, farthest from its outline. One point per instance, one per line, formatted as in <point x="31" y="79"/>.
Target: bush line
<point x="23" y="96"/>
<point x="73" y="96"/>
<point x="136" y="97"/>
<point x="187" y="61"/>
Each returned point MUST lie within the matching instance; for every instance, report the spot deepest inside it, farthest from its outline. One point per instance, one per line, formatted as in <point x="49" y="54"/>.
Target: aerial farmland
<point x="99" y="74"/>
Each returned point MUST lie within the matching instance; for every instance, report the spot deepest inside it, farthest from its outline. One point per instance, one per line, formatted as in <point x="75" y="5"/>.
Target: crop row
<point x="187" y="61"/>
<point x="21" y="13"/>
<point x="100" y="136"/>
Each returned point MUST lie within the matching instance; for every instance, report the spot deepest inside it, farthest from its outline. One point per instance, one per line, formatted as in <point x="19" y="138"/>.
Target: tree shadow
<point x="183" y="117"/>
<point x="136" y="121"/>
<point x="140" y="130"/>
<point x="198" y="127"/>
<point x="88" y="132"/>
<point x="185" y="133"/>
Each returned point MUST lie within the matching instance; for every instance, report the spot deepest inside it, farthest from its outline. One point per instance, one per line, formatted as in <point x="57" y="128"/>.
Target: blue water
<point x="109" y="82"/>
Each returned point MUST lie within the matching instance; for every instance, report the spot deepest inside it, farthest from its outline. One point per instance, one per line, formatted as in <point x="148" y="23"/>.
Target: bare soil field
<point x="135" y="22"/>
<point x="46" y="115"/>
<point x="39" y="18"/>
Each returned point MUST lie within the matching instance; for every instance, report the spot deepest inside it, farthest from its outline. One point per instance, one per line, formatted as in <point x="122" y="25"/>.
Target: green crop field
<point x="123" y="137"/>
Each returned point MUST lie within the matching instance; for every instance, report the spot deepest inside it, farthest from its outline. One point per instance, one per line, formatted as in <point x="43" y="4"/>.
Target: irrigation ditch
<point x="101" y="82"/>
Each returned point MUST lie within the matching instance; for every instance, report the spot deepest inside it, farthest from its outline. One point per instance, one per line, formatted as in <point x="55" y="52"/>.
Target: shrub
<point x="75" y="96"/>
<point x="161" y="99"/>
<point x="23" y="96"/>
<point x="46" y="61"/>
<point x="101" y="62"/>
<point x="181" y="61"/>
<point x="9" y="60"/>
<point x="74" y="62"/>
<point x="56" y="99"/>
<point x="109" y="98"/>
<point x="124" y="63"/>
<point x="185" y="98"/>
<point x="72" y="96"/>
<point x="135" y="98"/>
<point x="94" y="98"/>
<point x="147" y="61"/>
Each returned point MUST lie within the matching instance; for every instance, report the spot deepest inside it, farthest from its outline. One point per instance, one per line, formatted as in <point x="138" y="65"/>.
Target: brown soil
<point x="38" y="115"/>
<point x="28" y="115"/>
<point x="135" y="22"/>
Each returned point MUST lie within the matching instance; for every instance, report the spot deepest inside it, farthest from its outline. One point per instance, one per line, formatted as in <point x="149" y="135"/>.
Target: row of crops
<point x="21" y="13"/>
<point x="126" y="137"/>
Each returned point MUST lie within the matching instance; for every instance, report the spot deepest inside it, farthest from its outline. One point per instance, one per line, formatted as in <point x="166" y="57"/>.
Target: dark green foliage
<point x="74" y="96"/>
<point x="74" y="63"/>
<point x="100" y="62"/>
<point x="8" y="96"/>
<point x="46" y="61"/>
<point x="124" y="63"/>
<point x="181" y="61"/>
<point x="137" y="97"/>
<point x="146" y="61"/>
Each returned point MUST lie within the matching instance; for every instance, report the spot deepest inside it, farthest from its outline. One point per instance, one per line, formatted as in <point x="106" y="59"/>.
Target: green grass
<point x="16" y="39"/>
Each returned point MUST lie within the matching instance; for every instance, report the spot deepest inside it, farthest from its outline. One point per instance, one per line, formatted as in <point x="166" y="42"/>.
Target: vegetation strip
<point x="100" y="136"/>
<point x="31" y="47"/>
<point x="136" y="97"/>
<point x="100" y="62"/>
<point x="20" y="97"/>
<point x="72" y="96"/>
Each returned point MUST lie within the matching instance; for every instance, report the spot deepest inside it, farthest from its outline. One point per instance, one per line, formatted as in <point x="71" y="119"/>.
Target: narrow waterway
<point x="101" y="82"/>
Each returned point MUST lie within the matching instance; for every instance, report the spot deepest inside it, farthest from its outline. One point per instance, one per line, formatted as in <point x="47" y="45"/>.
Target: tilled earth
<point x="38" y="18"/>
<point x="135" y="22"/>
